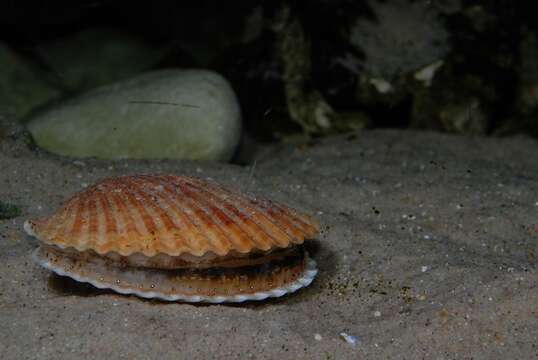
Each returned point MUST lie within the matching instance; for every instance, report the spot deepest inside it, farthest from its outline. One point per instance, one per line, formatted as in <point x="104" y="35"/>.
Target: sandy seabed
<point x="429" y="250"/>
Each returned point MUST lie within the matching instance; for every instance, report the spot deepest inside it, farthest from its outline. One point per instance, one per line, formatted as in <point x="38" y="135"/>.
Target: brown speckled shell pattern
<point x="169" y="214"/>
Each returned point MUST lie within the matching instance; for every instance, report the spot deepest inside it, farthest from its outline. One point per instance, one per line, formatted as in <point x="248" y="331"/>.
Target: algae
<point x="9" y="211"/>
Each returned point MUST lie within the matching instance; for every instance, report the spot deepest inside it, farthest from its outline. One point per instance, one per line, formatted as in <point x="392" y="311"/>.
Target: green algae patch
<point x="9" y="211"/>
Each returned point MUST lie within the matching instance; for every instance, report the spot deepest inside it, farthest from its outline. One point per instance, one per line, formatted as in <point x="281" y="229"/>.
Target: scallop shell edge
<point x="304" y="280"/>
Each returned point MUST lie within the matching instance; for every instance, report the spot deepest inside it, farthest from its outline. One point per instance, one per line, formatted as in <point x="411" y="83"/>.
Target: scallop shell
<point x="144" y="220"/>
<point x="169" y="214"/>
<point x="158" y="285"/>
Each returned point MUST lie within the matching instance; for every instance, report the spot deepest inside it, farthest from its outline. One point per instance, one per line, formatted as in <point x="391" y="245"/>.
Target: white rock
<point x="175" y="114"/>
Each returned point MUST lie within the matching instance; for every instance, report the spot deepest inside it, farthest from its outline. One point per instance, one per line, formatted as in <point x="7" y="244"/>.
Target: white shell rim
<point x="304" y="280"/>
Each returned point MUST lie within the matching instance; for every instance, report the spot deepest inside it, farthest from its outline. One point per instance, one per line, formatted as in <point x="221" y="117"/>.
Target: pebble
<point x="350" y="339"/>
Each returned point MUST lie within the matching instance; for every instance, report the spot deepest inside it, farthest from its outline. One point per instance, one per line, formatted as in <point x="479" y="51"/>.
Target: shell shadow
<point x="65" y="286"/>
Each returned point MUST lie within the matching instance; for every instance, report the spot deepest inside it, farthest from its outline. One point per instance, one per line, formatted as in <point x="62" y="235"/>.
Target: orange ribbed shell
<point x="173" y="215"/>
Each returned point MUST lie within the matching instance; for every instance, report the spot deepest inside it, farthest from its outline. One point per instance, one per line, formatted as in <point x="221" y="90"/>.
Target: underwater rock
<point x="528" y="73"/>
<point x="306" y="105"/>
<point x="404" y="37"/>
<point x="467" y="117"/>
<point x="97" y="57"/>
<point x="22" y="86"/>
<point x="174" y="114"/>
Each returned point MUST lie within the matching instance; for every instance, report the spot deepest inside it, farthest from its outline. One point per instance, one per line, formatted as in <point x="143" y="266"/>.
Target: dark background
<point x="490" y="59"/>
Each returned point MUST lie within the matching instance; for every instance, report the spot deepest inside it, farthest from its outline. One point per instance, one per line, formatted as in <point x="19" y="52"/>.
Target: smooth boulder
<point x="172" y="114"/>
